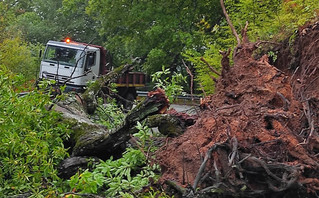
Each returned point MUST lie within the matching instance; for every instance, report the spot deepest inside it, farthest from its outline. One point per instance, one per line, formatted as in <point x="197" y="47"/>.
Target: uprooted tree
<point x="258" y="134"/>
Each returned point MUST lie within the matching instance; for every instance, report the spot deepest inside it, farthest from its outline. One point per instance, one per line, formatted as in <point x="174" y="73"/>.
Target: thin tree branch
<point x="229" y="22"/>
<point x="210" y="67"/>
<point x="192" y="78"/>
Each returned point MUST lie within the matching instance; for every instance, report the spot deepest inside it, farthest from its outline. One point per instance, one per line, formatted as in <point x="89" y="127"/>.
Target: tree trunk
<point x="89" y="139"/>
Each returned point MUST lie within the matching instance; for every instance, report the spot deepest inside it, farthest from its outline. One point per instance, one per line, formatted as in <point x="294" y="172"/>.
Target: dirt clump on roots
<point x="257" y="136"/>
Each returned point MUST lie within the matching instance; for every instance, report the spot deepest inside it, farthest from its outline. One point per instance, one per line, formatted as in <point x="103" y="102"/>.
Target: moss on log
<point x="167" y="124"/>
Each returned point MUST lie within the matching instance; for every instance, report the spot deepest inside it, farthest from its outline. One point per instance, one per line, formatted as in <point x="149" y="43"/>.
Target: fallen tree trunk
<point x="167" y="124"/>
<point x="92" y="141"/>
<point x="89" y="139"/>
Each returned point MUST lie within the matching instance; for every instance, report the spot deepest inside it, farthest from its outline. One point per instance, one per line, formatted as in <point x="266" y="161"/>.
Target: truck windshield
<point x="65" y="56"/>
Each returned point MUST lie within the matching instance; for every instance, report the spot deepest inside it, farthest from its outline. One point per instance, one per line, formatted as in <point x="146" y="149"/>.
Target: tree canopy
<point x="155" y="31"/>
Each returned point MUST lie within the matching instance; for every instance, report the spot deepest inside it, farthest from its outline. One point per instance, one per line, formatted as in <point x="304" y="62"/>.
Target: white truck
<point x="75" y="64"/>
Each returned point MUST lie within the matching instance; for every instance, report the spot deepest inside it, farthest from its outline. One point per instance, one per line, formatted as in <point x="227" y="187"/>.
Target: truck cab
<point x="72" y="63"/>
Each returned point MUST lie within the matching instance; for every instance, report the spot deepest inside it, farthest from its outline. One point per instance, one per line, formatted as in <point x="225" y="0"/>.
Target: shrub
<point x="31" y="140"/>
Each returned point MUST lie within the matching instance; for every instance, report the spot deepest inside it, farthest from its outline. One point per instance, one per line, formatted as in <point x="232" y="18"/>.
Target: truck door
<point x="92" y="63"/>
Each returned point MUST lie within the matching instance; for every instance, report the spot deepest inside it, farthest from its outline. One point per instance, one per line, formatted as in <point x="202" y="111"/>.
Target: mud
<point x="258" y="134"/>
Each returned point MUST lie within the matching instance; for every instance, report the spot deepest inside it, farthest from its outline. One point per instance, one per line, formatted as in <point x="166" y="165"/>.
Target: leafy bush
<point x="31" y="140"/>
<point x="127" y="174"/>
<point x="171" y="85"/>
<point x="20" y="58"/>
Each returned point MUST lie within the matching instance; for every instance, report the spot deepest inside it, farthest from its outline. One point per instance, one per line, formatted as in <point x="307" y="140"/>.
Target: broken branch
<point x="234" y="152"/>
<point x="209" y="66"/>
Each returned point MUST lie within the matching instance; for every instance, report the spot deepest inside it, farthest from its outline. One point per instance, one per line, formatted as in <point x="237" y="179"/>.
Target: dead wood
<point x="244" y="34"/>
<point x="225" y="61"/>
<point x="192" y="78"/>
<point x="203" y="165"/>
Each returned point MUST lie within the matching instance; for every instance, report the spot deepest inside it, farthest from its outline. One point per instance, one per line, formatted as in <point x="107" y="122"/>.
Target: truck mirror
<point x="40" y="53"/>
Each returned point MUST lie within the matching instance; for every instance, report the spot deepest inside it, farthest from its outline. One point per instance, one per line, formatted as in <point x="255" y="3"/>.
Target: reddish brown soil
<point x="273" y="117"/>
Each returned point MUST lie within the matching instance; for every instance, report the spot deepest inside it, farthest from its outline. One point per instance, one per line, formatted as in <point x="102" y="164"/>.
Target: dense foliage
<point x="108" y="114"/>
<point x="16" y="54"/>
<point x="155" y="31"/>
<point x="125" y="176"/>
<point x="116" y="177"/>
<point x="40" y="21"/>
<point x="31" y="140"/>
<point x="19" y="58"/>
<point x="159" y="33"/>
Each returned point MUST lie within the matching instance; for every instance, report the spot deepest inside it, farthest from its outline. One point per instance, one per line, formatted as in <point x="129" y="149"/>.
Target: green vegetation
<point x="17" y="56"/>
<point x="161" y="33"/>
<point x="155" y="31"/>
<point x="31" y="141"/>
<point x="108" y="114"/>
<point x="171" y="85"/>
<point x="116" y="177"/>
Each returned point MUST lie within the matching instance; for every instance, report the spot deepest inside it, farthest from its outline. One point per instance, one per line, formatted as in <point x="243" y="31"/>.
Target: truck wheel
<point x="129" y="104"/>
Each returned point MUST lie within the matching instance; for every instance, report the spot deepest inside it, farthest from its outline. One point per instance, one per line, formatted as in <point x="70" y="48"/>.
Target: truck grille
<point x="60" y="78"/>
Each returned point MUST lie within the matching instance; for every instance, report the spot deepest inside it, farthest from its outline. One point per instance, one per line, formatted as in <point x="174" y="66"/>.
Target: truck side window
<point x="91" y="59"/>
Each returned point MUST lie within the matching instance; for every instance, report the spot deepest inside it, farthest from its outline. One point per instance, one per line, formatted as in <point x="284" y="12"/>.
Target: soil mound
<point x="257" y="135"/>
